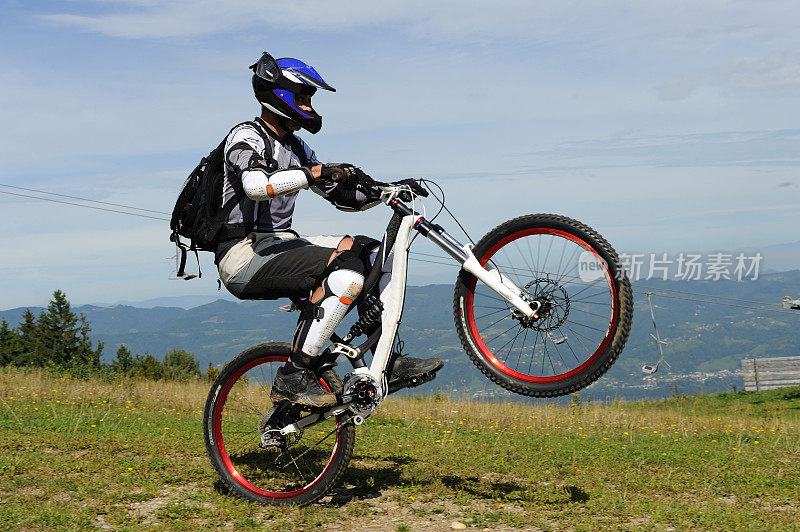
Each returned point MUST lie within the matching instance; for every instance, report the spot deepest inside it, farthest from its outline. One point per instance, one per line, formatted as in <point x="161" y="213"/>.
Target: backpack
<point x="199" y="214"/>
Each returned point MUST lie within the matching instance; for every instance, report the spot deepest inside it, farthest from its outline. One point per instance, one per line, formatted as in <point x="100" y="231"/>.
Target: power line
<point x="707" y="298"/>
<point x="86" y="206"/>
<point x="655" y="291"/>
<point x="83" y="199"/>
<point x="431" y="261"/>
<point x="760" y="306"/>
<point x="740" y="307"/>
<point x="701" y="294"/>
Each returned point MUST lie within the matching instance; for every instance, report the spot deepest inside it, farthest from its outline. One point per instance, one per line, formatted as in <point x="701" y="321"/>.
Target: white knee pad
<point x="340" y="289"/>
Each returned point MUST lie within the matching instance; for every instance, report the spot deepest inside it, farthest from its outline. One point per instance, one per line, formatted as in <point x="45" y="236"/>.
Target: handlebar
<point x="404" y="189"/>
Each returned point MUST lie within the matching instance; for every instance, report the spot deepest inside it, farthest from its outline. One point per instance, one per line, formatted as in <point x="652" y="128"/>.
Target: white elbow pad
<point x="286" y="182"/>
<point x="258" y="186"/>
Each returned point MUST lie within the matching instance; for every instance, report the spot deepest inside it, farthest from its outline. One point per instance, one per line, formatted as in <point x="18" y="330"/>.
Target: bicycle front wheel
<point x="585" y="314"/>
<point x="298" y="468"/>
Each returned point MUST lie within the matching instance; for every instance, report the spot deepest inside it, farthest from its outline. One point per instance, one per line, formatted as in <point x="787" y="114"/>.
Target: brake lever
<point x="415" y="187"/>
<point x="405" y="195"/>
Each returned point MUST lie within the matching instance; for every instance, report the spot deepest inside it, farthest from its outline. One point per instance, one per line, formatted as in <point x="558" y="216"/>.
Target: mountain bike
<point x="542" y="307"/>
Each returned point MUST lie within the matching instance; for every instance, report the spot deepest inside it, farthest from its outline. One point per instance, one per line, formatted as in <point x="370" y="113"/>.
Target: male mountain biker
<point x="260" y="257"/>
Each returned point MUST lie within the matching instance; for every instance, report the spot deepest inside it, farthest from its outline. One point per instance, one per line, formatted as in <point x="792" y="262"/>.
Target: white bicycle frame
<point x="393" y="297"/>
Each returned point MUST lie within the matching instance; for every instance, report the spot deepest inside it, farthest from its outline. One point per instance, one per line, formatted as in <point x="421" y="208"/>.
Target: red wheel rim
<point x="486" y="351"/>
<point x="220" y="444"/>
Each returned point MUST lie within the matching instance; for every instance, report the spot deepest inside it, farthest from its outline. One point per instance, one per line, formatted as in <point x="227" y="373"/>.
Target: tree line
<point x="58" y="338"/>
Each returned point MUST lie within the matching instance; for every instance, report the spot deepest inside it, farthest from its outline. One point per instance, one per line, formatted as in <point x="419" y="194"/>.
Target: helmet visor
<point x="291" y="79"/>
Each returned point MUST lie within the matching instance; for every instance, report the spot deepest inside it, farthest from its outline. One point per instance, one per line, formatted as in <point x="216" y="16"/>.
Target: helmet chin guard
<point x="277" y="82"/>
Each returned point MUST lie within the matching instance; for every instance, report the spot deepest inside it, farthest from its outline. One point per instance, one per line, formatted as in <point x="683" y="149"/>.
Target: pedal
<point x="413" y="382"/>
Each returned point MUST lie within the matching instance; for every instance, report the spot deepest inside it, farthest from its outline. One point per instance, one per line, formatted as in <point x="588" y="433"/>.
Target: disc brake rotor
<point x="554" y="307"/>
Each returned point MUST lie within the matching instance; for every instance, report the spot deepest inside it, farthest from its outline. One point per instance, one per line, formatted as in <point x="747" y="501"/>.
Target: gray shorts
<point x="276" y="265"/>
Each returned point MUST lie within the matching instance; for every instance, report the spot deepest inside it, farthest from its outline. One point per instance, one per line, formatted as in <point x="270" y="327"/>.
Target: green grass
<point x="78" y="454"/>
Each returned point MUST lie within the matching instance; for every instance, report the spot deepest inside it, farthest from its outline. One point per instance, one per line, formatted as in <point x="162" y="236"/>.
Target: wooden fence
<point x="768" y="373"/>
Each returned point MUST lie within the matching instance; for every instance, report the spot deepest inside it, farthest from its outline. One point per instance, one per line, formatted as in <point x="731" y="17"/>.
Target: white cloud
<point x="498" y="20"/>
<point x="773" y="75"/>
<point x="187" y="18"/>
<point x="676" y="90"/>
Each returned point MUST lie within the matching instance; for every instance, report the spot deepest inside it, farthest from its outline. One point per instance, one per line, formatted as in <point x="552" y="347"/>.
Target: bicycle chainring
<point x="365" y="392"/>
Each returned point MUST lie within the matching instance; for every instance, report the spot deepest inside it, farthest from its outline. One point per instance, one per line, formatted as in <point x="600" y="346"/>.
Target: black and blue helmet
<point x="276" y="82"/>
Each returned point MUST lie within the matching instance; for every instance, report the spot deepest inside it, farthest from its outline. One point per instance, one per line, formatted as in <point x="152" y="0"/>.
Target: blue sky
<point x="667" y="126"/>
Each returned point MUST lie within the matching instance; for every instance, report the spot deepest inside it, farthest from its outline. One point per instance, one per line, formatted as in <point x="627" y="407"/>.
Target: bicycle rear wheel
<point x="585" y="315"/>
<point x="298" y="468"/>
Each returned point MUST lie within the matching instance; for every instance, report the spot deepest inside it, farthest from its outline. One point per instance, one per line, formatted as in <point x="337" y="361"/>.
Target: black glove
<point x="345" y="175"/>
<point x="357" y="198"/>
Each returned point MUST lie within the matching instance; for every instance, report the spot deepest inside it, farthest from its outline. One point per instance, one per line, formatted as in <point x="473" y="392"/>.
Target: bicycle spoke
<point x="571" y="258"/>
<point x="491" y="313"/>
<point x="549" y="247"/>
<point x="588" y="326"/>
<point x="530" y="268"/>
<point x="522" y="348"/>
<point x="316" y="444"/>
<point x="513" y="341"/>
<point x="574" y="316"/>
<point x="601" y="303"/>
<point x="588" y="297"/>
<point x="501" y="334"/>
<point x="579" y="292"/>
<point x="292" y="462"/>
<point x="595" y="314"/>
<point x="561" y="257"/>
<point x="576" y="333"/>
<point x="495" y="323"/>
<point x="569" y="346"/>
<point x="558" y="351"/>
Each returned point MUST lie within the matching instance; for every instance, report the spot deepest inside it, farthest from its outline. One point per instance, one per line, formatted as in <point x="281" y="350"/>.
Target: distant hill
<point x="184" y="302"/>
<point x="706" y="341"/>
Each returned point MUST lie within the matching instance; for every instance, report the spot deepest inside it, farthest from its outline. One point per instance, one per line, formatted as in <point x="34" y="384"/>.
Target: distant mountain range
<point x="184" y="302"/>
<point x="710" y="327"/>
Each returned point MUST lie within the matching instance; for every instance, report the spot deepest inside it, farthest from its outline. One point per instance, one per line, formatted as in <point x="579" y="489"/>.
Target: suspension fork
<point x="469" y="263"/>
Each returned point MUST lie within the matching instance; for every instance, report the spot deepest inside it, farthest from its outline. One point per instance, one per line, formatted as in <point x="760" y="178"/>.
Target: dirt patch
<point x="62" y="497"/>
<point x="779" y="507"/>
<point x="436" y="515"/>
<point x="31" y="492"/>
<point x="729" y="500"/>
<point x="145" y="511"/>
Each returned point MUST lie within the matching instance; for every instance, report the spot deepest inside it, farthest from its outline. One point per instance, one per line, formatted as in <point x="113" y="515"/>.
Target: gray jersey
<point x="246" y="149"/>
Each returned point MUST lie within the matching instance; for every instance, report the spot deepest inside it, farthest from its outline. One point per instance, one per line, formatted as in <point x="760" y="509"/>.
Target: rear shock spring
<point x="369" y="316"/>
